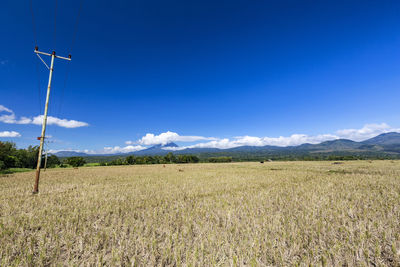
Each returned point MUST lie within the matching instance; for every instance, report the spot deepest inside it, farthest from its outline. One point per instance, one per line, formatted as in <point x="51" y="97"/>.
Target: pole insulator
<point x="54" y="53"/>
<point x="36" y="48"/>
<point x="69" y="56"/>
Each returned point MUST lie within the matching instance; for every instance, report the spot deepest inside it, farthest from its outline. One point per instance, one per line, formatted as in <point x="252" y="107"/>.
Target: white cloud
<point x="366" y="132"/>
<point x="38" y="120"/>
<point x="24" y="120"/>
<point x="105" y="150"/>
<point x="10" y="134"/>
<point x="10" y="118"/>
<point x="297" y="139"/>
<point x="293" y="140"/>
<point x="87" y="151"/>
<point x="3" y="108"/>
<point x="168" y="137"/>
<point x="117" y="149"/>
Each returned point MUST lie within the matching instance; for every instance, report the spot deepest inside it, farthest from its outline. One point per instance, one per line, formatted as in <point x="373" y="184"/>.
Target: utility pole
<point x="53" y="56"/>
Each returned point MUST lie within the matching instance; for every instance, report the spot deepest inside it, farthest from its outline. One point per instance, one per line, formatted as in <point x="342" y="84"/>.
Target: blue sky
<point x="226" y="72"/>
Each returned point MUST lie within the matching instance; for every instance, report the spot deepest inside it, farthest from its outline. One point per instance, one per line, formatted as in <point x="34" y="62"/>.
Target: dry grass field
<point x="271" y="214"/>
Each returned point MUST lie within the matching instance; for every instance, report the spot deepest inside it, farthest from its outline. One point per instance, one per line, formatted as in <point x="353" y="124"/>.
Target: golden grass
<point x="278" y="214"/>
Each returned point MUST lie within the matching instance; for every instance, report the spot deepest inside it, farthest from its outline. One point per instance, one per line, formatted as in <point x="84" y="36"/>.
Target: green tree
<point x="7" y="155"/>
<point x="118" y="161"/>
<point x="170" y="158"/>
<point x="27" y="158"/>
<point x="220" y="159"/>
<point x="53" y="161"/>
<point x="130" y="160"/>
<point x="187" y="159"/>
<point x="76" y="161"/>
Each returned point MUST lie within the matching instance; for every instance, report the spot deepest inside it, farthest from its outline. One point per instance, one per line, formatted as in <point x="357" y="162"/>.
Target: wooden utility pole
<point x="53" y="56"/>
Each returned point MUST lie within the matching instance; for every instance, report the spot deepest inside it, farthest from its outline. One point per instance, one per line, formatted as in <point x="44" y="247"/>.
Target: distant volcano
<point x="171" y="144"/>
<point x="386" y="144"/>
<point x="156" y="149"/>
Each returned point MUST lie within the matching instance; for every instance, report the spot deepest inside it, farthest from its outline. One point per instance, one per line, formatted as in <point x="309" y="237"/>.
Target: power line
<point x="72" y="47"/>
<point x="76" y="25"/>
<point x="37" y="63"/>
<point x="62" y="91"/>
<point x="33" y="22"/>
<point x="55" y="25"/>
<point x="53" y="56"/>
<point x="39" y="91"/>
<point x="42" y="136"/>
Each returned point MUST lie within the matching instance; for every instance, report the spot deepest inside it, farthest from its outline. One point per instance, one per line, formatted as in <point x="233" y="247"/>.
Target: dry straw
<point x="273" y="214"/>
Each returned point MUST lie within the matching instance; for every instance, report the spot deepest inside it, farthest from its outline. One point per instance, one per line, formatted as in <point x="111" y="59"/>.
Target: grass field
<point x="277" y="213"/>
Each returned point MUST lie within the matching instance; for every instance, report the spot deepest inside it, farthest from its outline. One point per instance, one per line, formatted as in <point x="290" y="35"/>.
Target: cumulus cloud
<point x="59" y="122"/>
<point x="10" y="118"/>
<point x="366" y="132"/>
<point x="282" y="141"/>
<point x="117" y="149"/>
<point x="105" y="150"/>
<point x="3" y="108"/>
<point x="9" y="134"/>
<point x="168" y="137"/>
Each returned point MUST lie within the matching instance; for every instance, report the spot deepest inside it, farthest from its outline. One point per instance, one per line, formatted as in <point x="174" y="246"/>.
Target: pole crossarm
<point x="54" y="53"/>
<point x="42" y="137"/>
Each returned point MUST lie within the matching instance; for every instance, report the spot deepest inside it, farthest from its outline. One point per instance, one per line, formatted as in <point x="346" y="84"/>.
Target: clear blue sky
<point x="202" y="68"/>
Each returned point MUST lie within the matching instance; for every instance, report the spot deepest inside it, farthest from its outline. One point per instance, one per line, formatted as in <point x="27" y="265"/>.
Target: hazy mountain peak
<point x="384" y="139"/>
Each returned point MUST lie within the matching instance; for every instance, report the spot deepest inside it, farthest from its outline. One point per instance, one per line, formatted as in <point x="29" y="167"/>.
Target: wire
<point x="62" y="91"/>
<point x="76" y="25"/>
<point x="33" y="22"/>
<point x="39" y="91"/>
<point x="68" y="66"/>
<point x="37" y="63"/>
<point x="55" y="25"/>
<point x="54" y="46"/>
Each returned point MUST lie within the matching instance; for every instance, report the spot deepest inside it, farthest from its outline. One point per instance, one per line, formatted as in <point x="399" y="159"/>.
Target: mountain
<point x="156" y="150"/>
<point x="65" y="154"/>
<point x="381" y="145"/>
<point x="333" y="145"/>
<point x="171" y="144"/>
<point x="384" y="139"/>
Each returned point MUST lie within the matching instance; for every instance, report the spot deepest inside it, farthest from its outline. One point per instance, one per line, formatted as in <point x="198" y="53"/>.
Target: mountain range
<point x="383" y="144"/>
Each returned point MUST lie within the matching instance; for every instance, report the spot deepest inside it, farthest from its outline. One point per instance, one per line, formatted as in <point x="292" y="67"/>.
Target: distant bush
<point x="52" y="161"/>
<point x="187" y="159"/>
<point x="75" y="161"/>
<point x="169" y="158"/>
<point x="117" y="162"/>
<point x="220" y="159"/>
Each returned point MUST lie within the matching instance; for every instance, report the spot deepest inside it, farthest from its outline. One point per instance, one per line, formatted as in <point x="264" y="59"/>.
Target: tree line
<point x="167" y="159"/>
<point x="138" y="160"/>
<point x="11" y="157"/>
